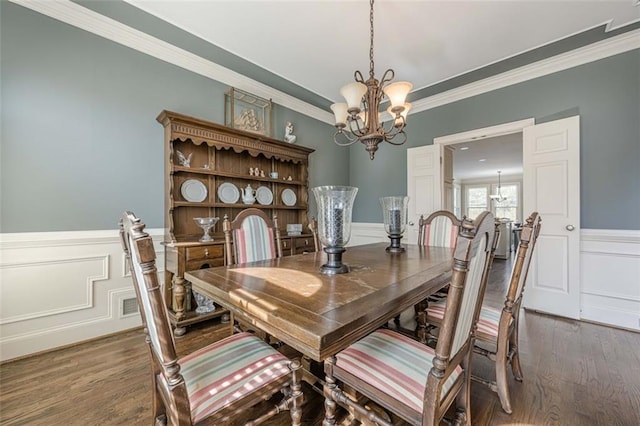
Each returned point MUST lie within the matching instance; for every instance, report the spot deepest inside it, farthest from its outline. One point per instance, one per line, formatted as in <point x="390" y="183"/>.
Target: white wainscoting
<point x="59" y="288"/>
<point x="610" y="277"/>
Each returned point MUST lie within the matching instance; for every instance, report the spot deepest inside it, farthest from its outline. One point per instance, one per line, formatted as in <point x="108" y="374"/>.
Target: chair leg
<point x="502" y="384"/>
<point x="463" y="399"/>
<point x="328" y="388"/>
<point x="514" y="355"/>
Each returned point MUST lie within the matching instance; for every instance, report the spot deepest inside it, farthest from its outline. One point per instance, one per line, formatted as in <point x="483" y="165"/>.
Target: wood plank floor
<point x="575" y="373"/>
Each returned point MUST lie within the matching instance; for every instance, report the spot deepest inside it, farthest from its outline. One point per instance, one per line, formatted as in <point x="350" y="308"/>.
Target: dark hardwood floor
<point x="575" y="373"/>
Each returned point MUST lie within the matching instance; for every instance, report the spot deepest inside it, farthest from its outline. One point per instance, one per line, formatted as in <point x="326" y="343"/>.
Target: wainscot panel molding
<point x="365" y="233"/>
<point x="610" y="277"/>
<point x="61" y="288"/>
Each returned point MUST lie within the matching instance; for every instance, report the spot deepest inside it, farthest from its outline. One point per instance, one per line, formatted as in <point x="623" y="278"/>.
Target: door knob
<point x="570" y="227"/>
<point x="410" y="223"/>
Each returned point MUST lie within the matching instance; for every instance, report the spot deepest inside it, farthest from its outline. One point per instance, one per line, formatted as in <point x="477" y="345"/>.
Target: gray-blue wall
<point x="606" y="95"/>
<point x="80" y="142"/>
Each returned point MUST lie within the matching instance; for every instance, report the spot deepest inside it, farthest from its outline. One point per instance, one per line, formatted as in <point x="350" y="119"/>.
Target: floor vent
<point x="129" y="306"/>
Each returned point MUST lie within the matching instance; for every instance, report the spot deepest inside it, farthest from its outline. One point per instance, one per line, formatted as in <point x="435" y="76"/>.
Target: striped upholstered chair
<point x="213" y="384"/>
<point x="439" y="229"/>
<point x="406" y="377"/>
<point x="497" y="334"/>
<point x="251" y="237"/>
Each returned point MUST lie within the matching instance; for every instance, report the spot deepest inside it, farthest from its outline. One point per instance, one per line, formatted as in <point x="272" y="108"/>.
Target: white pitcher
<point x="248" y="195"/>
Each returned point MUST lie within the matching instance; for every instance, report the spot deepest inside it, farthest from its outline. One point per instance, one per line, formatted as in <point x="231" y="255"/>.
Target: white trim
<point x="88" y="20"/>
<point x="485" y="132"/>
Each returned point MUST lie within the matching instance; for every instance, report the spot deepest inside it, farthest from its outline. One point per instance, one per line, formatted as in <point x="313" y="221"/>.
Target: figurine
<point x="288" y="133"/>
<point x="289" y="178"/>
<point x="184" y="161"/>
<point x="251" y="171"/>
<point x="261" y="173"/>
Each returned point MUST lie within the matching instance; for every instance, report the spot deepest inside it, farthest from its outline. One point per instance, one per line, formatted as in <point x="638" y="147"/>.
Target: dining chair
<point x="412" y="380"/>
<point x="217" y="382"/>
<point x="498" y="329"/>
<point x="251" y="237"/>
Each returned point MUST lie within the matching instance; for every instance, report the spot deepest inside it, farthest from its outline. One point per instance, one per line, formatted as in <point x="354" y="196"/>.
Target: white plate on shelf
<point x="228" y="193"/>
<point x="193" y="191"/>
<point x="264" y="195"/>
<point x="289" y="197"/>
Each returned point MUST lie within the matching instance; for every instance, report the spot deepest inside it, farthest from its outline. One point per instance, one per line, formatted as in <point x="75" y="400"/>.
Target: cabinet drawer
<point x="286" y="244"/>
<point x="192" y="265"/>
<point x="304" y="243"/>
<point x="205" y="252"/>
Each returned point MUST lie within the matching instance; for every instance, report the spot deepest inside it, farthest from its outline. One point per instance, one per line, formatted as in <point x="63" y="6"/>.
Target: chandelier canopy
<point x="358" y="120"/>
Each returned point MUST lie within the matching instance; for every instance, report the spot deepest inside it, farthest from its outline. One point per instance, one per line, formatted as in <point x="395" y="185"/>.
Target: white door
<point x="424" y="185"/>
<point x="551" y="162"/>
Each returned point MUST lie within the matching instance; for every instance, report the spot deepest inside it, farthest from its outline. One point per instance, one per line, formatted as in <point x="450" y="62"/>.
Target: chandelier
<point x="358" y="120"/>
<point x="498" y="198"/>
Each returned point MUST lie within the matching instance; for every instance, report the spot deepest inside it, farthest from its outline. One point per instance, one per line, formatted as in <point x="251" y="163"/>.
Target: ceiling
<point x="483" y="158"/>
<point x="319" y="44"/>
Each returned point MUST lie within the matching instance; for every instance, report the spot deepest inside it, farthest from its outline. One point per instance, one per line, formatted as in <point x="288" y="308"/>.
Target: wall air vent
<point x="129" y="306"/>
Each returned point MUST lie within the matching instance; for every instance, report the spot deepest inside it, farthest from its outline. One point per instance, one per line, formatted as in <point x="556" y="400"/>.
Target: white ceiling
<point x="319" y="44"/>
<point x="503" y="153"/>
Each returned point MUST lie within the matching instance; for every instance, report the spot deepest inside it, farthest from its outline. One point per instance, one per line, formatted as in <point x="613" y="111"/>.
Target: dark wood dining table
<point x="320" y="315"/>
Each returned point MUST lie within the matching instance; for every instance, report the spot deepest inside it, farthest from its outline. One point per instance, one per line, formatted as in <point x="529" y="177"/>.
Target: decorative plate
<point x="228" y="193"/>
<point x="193" y="191"/>
<point x="264" y="195"/>
<point x="289" y="197"/>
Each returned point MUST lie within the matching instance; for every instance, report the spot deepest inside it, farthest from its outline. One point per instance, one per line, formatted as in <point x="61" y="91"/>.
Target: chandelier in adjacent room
<point x="498" y="198"/>
<point x="358" y="120"/>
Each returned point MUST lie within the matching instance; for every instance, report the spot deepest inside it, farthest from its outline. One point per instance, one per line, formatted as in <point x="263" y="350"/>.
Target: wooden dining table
<point x="320" y="315"/>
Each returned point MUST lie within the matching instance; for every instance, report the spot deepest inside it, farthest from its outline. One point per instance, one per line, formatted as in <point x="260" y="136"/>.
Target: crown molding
<point x="88" y="20"/>
<point x="596" y="51"/>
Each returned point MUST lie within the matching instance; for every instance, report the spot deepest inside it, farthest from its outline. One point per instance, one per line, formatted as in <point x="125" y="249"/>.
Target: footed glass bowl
<point x="206" y="223"/>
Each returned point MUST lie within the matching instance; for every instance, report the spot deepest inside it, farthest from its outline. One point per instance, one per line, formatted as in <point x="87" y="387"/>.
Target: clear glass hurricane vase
<point x="335" y="208"/>
<point x="394" y="213"/>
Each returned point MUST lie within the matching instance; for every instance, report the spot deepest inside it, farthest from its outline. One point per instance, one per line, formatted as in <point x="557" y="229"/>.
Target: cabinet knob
<point x="206" y="252"/>
<point x="306" y="242"/>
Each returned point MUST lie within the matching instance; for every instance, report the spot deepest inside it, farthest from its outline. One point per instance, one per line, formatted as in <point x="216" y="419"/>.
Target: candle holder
<point x="335" y="206"/>
<point x="394" y="211"/>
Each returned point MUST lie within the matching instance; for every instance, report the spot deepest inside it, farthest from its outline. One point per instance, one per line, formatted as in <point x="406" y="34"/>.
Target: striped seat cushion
<point x="394" y="364"/>
<point x="227" y="370"/>
<point x="254" y="241"/>
<point x="487" y="323"/>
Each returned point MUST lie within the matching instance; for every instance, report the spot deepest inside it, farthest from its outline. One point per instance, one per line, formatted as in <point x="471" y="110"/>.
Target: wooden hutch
<point x="220" y="155"/>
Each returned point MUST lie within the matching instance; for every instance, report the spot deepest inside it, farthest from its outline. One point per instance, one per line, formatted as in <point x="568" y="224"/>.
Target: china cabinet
<point x="209" y="170"/>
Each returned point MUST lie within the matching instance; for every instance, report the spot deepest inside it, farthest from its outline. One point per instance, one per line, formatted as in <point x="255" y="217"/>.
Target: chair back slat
<point x="528" y="238"/>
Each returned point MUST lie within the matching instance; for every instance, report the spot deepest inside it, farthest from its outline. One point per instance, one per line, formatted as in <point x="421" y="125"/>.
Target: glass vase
<point x="394" y="212"/>
<point x="335" y="207"/>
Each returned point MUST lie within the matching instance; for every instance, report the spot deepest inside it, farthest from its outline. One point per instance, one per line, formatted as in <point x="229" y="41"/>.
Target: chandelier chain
<point x="371" y="41"/>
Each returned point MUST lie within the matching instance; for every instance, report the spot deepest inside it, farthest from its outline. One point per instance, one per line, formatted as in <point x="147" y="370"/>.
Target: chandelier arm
<point x="387" y="77"/>
<point x="358" y="131"/>
<point x="349" y="141"/>
<point x="357" y="76"/>
<point x="400" y="132"/>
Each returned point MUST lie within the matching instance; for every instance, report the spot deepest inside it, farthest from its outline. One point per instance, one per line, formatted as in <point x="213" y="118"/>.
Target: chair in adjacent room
<point x="313" y="227"/>
<point x="406" y="377"/>
<point x="217" y="382"/>
<point x="498" y="330"/>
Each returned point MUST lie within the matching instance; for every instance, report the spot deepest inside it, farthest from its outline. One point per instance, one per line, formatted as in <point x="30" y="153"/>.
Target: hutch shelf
<point x="200" y="156"/>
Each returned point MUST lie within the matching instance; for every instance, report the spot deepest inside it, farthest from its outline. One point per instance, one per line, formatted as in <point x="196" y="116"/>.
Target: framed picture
<point x="248" y="112"/>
